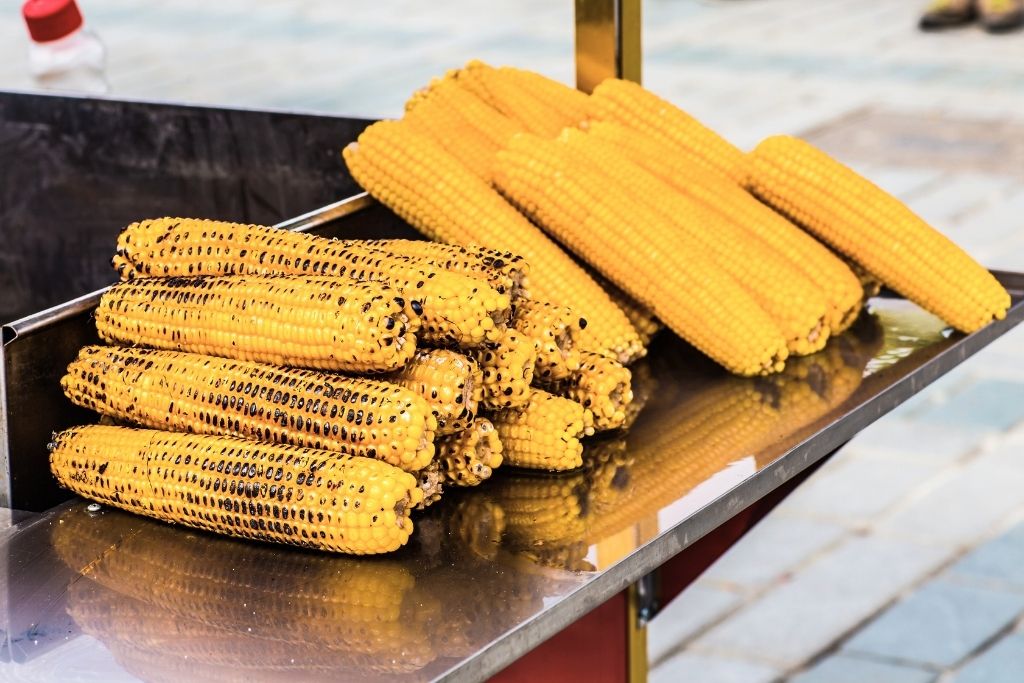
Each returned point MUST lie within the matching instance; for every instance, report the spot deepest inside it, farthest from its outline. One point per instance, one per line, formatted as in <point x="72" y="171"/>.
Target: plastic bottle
<point x="63" y="54"/>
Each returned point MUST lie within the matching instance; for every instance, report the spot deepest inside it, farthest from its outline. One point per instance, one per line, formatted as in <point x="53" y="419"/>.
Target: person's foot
<point x="1000" y="16"/>
<point x="942" y="14"/>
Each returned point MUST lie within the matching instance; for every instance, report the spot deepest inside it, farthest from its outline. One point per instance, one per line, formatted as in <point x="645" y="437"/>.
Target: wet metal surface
<point x="490" y="572"/>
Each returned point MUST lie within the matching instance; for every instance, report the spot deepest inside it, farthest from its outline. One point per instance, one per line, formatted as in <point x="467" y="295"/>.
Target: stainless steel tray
<point x="490" y="572"/>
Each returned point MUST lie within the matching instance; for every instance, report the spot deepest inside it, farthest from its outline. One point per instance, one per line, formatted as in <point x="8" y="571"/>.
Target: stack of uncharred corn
<point x="292" y="388"/>
<point x="751" y="258"/>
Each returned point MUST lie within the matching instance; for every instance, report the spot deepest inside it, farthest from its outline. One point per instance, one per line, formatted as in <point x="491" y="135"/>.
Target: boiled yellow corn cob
<point x="687" y="291"/>
<point x="462" y="123"/>
<point x="312" y="322"/>
<point x="634" y="106"/>
<point x="726" y="198"/>
<point x="508" y="367"/>
<point x="450" y="382"/>
<point x="469" y="457"/>
<point x="877" y="231"/>
<point x="506" y="272"/>
<point x="455" y="309"/>
<point x="286" y="494"/>
<point x="555" y="330"/>
<point x="643" y="320"/>
<point x="569" y="103"/>
<point x="459" y="208"/>
<point x="516" y="96"/>
<point x="187" y="392"/>
<point x="600" y="384"/>
<point x="792" y="300"/>
<point x="544" y="434"/>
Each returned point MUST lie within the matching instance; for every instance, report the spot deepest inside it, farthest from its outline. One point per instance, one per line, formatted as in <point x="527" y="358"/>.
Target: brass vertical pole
<point x="607" y="41"/>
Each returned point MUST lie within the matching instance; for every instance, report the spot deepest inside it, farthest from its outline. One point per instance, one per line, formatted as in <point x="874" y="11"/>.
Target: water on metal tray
<point x="170" y="604"/>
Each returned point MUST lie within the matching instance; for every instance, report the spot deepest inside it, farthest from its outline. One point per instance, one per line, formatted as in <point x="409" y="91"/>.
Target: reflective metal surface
<point x="607" y="41"/>
<point x="490" y="572"/>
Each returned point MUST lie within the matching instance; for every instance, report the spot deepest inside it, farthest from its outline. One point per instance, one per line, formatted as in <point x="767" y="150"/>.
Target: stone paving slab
<point x="998" y="563"/>
<point x="939" y="625"/>
<point x="846" y="668"/>
<point x="800" y="618"/>
<point x="688" y="614"/>
<point x="692" y="667"/>
<point x="1003" y="663"/>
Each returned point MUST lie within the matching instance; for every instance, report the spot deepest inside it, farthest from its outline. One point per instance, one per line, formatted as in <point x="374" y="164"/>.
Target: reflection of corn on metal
<point x="181" y="602"/>
<point x="556" y="519"/>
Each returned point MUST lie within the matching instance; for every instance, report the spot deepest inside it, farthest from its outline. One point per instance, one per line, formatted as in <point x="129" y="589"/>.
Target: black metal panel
<point x="77" y="170"/>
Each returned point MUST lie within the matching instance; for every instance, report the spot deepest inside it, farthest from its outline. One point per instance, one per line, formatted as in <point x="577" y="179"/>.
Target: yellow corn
<point x="569" y="103"/>
<point x="507" y="366"/>
<point x="544" y="434"/>
<point x="793" y="301"/>
<point x="396" y="165"/>
<point x="555" y="331"/>
<point x="876" y="230"/>
<point x="187" y="600"/>
<point x="430" y="481"/>
<point x="451" y="383"/>
<point x="634" y="106"/>
<point x="601" y="385"/>
<point x="517" y="97"/>
<point x="312" y="322"/>
<point x="455" y="309"/>
<point x="462" y="123"/>
<point x="286" y="494"/>
<point x="651" y="261"/>
<point x="732" y="203"/>
<point x="506" y="272"/>
<point x="640" y="317"/>
<point x="469" y="457"/>
<point x="644" y="385"/>
<point x="186" y="392"/>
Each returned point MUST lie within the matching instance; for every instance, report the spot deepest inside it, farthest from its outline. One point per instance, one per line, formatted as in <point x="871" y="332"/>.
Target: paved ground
<point x="902" y="560"/>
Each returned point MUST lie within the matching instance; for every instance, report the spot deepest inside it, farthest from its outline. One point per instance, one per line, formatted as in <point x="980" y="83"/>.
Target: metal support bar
<point x="607" y="41"/>
<point x="636" y="632"/>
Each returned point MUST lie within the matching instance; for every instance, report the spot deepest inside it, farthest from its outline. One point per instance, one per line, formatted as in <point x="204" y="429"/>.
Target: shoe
<point x="942" y="14"/>
<point x="1000" y="16"/>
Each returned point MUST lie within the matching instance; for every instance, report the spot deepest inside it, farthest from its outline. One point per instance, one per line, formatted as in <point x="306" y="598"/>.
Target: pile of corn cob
<point x="752" y="258"/>
<point x="292" y="388"/>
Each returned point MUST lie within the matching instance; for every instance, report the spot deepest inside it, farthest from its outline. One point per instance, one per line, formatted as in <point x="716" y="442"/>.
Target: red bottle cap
<point x="51" y="19"/>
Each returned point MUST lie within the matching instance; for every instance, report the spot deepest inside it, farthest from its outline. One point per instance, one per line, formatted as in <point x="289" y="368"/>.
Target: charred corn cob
<point x="792" y="300"/>
<point x="462" y="209"/>
<point x="601" y="385"/>
<point x="451" y="383"/>
<point x="463" y="124"/>
<point x="659" y="268"/>
<point x="544" y="434"/>
<point x="285" y="494"/>
<point x="504" y="271"/>
<point x="310" y="322"/>
<point x="507" y="366"/>
<point x="430" y="481"/>
<point x="555" y="331"/>
<point x="644" y="385"/>
<point x="207" y="395"/>
<point x="455" y="309"/>
<point x="732" y="203"/>
<point x="877" y="231"/>
<point x="469" y="457"/>
<point x="634" y="106"/>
